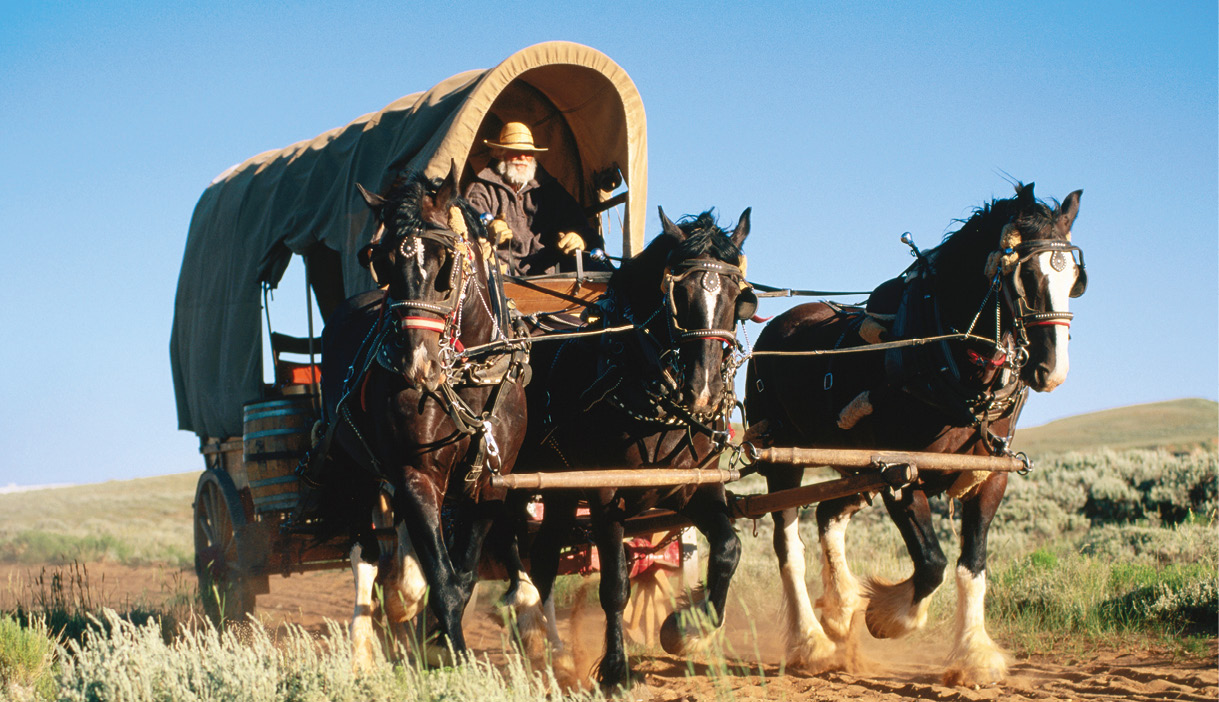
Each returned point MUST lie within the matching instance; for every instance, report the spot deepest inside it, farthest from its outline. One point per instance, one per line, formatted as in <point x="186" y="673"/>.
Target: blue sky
<point x="842" y="125"/>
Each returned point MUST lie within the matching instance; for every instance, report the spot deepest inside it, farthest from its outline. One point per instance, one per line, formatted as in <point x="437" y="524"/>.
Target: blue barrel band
<point x="284" y="501"/>
<point x="250" y="417"/>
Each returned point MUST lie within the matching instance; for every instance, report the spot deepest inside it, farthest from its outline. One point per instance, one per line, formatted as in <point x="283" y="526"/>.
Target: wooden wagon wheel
<point x="653" y="592"/>
<point x="220" y="517"/>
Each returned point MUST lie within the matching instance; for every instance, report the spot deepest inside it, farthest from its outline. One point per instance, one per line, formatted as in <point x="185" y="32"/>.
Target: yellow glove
<point x="501" y="231"/>
<point x="485" y="247"/>
<point x="570" y="243"/>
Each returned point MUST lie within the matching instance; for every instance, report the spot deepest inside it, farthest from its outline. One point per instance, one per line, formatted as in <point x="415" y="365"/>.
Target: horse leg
<point x="897" y="608"/>
<point x="808" y="647"/>
<point x="522" y="601"/>
<point x="472" y="524"/>
<point x="420" y="510"/>
<point x="544" y="568"/>
<point x="398" y="573"/>
<point x="682" y="634"/>
<point x="401" y="582"/>
<point x="615" y="590"/>
<point x="975" y="658"/>
<point x="364" y="649"/>
<point x="840" y="597"/>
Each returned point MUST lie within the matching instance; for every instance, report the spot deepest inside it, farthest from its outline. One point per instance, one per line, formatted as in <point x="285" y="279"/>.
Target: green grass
<point x="27" y="660"/>
<point x="1057" y="594"/>
<point x="142" y="521"/>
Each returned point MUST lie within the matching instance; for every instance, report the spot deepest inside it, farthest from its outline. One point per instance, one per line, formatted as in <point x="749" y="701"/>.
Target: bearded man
<point x="536" y="223"/>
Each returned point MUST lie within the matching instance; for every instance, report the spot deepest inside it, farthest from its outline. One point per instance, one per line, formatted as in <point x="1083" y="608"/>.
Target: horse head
<point x="1040" y="271"/>
<point x="422" y="256"/>
<point x="704" y="295"/>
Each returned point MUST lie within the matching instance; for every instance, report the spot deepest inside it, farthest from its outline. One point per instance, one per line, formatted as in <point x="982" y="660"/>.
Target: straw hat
<point x="515" y="136"/>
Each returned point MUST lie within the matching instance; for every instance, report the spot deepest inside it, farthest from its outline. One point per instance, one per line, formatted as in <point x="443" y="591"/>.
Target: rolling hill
<point x="1173" y="425"/>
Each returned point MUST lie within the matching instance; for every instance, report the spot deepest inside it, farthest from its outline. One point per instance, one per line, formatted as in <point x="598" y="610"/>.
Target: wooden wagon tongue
<point x="592" y="479"/>
<point x="880" y="470"/>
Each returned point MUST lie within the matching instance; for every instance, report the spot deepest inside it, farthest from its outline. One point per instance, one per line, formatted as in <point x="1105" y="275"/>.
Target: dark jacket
<point x="537" y="215"/>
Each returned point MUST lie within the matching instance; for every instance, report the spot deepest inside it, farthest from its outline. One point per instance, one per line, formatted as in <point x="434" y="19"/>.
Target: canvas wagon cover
<point x="255" y="215"/>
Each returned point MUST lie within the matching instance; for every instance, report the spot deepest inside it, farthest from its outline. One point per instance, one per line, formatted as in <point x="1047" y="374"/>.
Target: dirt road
<point x="898" y="670"/>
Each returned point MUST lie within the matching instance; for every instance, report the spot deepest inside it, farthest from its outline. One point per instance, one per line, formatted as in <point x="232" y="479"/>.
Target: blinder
<point x="746" y="304"/>
<point x="376" y="261"/>
<point x="1081" y="278"/>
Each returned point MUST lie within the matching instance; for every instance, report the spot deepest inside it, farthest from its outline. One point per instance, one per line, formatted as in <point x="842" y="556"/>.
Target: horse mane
<point x="639" y="276"/>
<point x="979" y="235"/>
<point x="404" y="206"/>
<point x="704" y="236"/>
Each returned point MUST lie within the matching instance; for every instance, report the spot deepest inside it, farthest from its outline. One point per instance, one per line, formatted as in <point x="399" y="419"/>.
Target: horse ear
<point x="1024" y="194"/>
<point x="373" y="200"/>
<point x="667" y="226"/>
<point x="448" y="188"/>
<point x="742" y="228"/>
<point x="1067" y="212"/>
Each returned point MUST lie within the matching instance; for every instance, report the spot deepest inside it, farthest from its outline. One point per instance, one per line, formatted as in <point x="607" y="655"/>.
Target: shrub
<point x="26" y="660"/>
<point x="1179" y="598"/>
<point x="134" y="664"/>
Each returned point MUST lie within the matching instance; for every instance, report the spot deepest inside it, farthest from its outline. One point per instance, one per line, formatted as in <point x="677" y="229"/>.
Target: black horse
<point x="998" y="288"/>
<point x="658" y="396"/>
<point x="417" y="418"/>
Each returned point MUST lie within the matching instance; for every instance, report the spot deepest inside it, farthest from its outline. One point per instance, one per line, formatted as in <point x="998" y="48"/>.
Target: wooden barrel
<point x="275" y="437"/>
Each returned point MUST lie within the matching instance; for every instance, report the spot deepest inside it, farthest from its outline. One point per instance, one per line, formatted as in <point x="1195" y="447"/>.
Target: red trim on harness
<point x="1055" y="322"/>
<point x="978" y="360"/>
<point x="426" y="323"/>
<point x="363" y="387"/>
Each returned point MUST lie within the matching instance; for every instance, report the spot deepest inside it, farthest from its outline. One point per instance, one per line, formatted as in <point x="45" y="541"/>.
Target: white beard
<point x="517" y="175"/>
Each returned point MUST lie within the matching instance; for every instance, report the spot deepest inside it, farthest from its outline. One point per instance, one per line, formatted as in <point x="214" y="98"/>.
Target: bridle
<point x="1024" y="315"/>
<point x="716" y="274"/>
<point x="1003" y="268"/>
<point x="400" y="315"/>
<point x="448" y="306"/>
<point x="746" y="302"/>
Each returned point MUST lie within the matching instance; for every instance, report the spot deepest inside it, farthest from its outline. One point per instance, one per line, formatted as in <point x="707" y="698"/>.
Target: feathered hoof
<point x="613" y="674"/>
<point x="983" y="664"/>
<point x="365" y="650"/>
<point x="531" y="625"/>
<point x="836" y="620"/>
<point x="814" y="655"/>
<point x="892" y="612"/>
<point x="689" y="630"/>
<point x="563" y="666"/>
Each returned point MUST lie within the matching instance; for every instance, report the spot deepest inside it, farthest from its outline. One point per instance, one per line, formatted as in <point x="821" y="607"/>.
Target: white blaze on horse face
<point x="1060" y="273"/>
<point x="702" y="313"/>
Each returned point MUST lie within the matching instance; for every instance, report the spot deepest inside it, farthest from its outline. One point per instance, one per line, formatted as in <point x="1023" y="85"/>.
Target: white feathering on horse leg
<point x="364" y="647"/>
<point x="525" y="603"/>
<point x="892" y="612"/>
<point x="404" y="595"/>
<point x="975" y="658"/>
<point x="841" y="598"/>
<point x="808" y="647"/>
<point x="859" y="408"/>
<point x="563" y="662"/>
